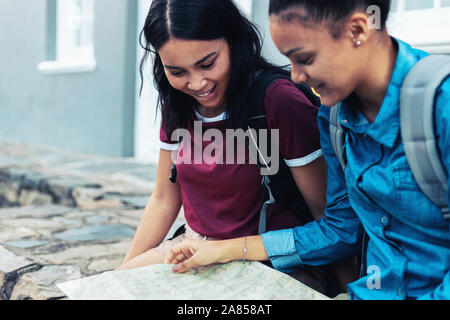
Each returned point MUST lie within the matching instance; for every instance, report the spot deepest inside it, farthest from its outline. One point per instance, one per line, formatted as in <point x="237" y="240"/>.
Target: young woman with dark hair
<point x="206" y="54"/>
<point x="334" y="48"/>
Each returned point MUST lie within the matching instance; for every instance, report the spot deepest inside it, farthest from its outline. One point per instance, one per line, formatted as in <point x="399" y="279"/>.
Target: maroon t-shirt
<point x="223" y="200"/>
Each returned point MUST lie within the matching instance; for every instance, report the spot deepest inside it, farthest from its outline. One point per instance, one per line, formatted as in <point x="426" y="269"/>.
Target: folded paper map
<point x="231" y="281"/>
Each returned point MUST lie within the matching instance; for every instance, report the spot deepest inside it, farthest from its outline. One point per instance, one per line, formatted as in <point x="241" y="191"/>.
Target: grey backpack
<point x="417" y="100"/>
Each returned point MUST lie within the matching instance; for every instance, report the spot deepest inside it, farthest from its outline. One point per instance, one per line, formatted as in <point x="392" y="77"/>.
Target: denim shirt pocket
<point x="411" y="203"/>
<point x="404" y="178"/>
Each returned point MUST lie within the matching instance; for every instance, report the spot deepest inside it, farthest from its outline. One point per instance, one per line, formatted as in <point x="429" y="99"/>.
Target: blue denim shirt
<point x="408" y="254"/>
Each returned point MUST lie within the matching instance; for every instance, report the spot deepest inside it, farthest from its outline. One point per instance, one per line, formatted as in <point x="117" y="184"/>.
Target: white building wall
<point x="147" y="120"/>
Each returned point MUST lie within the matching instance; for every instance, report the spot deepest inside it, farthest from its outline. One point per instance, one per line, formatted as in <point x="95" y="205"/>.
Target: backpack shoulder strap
<point x="280" y="187"/>
<point x="417" y="100"/>
<point x="256" y="111"/>
<point x="257" y="120"/>
<point x="337" y="135"/>
<point x="256" y="116"/>
<point x="260" y="82"/>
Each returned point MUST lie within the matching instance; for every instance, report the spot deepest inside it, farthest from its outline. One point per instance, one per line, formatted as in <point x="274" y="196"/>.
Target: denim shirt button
<point x="384" y="220"/>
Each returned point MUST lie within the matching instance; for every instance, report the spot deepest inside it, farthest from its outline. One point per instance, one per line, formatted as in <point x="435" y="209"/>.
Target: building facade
<point x="67" y="76"/>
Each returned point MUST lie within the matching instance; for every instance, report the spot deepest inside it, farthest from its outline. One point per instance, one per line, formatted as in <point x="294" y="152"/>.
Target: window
<point x="70" y="36"/>
<point x="422" y="23"/>
<point x="403" y="5"/>
<point x="75" y="29"/>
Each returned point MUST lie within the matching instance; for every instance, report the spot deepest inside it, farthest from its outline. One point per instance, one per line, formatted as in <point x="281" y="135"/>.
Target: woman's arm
<point x="160" y="212"/>
<point x="311" y="180"/>
<point x="195" y="253"/>
<point x="289" y="111"/>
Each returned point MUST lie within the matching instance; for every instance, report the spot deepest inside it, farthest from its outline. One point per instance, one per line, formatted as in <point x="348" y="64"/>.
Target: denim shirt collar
<point x="386" y="127"/>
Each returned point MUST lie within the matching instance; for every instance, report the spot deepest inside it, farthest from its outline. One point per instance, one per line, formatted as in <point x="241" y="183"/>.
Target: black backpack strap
<point x="280" y="187"/>
<point x="260" y="82"/>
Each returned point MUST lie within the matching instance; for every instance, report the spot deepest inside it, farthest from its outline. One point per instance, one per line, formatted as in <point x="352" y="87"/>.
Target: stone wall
<point x="64" y="216"/>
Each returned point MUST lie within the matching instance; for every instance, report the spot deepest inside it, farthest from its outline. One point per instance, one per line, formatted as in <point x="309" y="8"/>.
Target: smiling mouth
<point x="206" y="94"/>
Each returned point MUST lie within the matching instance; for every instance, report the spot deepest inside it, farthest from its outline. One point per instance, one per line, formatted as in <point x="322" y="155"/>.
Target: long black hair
<point x="202" y="20"/>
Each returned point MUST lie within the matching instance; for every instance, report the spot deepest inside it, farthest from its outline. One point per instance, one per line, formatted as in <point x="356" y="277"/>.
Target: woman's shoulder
<point x="284" y="93"/>
<point x="288" y="108"/>
<point x="284" y="99"/>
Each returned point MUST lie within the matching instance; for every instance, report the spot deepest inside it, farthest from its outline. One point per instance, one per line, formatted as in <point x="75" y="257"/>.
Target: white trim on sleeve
<point x="300" y="162"/>
<point x="169" y="146"/>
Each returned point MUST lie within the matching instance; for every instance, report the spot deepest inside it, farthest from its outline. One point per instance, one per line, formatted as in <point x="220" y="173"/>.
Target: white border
<point x="300" y="162"/>
<point x="168" y="146"/>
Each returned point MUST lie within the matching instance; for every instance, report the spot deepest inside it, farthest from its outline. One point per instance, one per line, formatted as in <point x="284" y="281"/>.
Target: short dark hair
<point x="201" y="20"/>
<point x="333" y="11"/>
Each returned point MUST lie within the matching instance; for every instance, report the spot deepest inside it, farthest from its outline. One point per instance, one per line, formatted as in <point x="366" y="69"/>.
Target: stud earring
<point x="358" y="43"/>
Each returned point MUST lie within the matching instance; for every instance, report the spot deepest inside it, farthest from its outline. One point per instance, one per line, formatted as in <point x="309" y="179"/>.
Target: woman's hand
<point x="196" y="253"/>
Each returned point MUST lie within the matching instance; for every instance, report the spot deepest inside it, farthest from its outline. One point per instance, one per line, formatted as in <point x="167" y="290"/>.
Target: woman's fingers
<point x="179" y="253"/>
<point x="187" y="251"/>
<point x="184" y="256"/>
<point x="169" y="259"/>
<point x="181" y="257"/>
<point x="185" y="265"/>
<point x="192" y="254"/>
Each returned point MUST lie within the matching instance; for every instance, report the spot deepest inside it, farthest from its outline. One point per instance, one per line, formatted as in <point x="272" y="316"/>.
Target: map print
<point x="232" y="281"/>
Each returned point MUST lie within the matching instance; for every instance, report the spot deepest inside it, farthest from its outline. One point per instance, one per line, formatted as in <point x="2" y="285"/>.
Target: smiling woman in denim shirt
<point x="333" y="49"/>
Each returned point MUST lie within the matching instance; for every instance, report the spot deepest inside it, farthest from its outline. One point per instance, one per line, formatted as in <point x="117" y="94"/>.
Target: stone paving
<point x="65" y="215"/>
